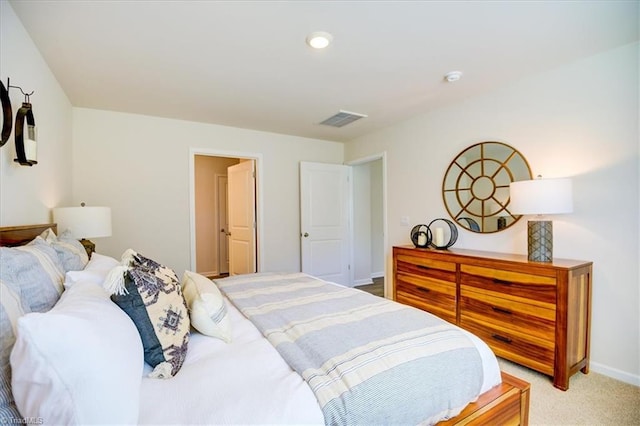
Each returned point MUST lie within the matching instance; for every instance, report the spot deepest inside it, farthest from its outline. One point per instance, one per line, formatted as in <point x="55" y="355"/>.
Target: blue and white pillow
<point x="71" y="253"/>
<point x="31" y="279"/>
<point x="150" y="294"/>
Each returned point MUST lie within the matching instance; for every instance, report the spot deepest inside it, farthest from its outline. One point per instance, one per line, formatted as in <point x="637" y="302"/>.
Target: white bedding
<point x="244" y="382"/>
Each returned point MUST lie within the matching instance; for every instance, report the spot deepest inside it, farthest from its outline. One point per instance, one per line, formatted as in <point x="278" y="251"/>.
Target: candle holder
<point x="421" y="236"/>
<point x="443" y="237"/>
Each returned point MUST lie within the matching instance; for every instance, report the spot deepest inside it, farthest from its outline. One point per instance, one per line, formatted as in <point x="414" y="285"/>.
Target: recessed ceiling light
<point x="319" y="39"/>
<point x="453" y="76"/>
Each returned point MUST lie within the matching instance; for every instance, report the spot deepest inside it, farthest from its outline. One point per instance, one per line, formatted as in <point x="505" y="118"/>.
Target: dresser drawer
<point x="513" y="345"/>
<point x="426" y="267"/>
<point x="429" y="294"/>
<point x="487" y="307"/>
<point x="511" y="284"/>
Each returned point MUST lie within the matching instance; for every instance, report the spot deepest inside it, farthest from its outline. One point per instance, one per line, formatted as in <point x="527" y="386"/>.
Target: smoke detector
<point x="453" y="76"/>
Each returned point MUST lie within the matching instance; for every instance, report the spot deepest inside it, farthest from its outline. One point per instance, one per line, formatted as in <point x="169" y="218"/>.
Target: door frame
<point x="388" y="285"/>
<point x="192" y="199"/>
<point x="219" y="179"/>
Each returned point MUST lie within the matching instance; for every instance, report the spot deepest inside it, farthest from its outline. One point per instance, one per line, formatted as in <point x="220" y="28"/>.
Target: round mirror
<point x="475" y="188"/>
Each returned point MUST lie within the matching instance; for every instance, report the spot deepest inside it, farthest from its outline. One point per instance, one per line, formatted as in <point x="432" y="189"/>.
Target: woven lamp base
<point x="540" y="241"/>
<point x="89" y="246"/>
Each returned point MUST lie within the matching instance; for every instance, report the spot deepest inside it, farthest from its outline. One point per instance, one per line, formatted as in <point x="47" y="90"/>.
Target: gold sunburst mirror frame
<point x="475" y="188"/>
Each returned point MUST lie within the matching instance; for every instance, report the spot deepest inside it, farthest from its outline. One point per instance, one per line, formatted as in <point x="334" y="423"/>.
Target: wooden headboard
<point x="11" y="236"/>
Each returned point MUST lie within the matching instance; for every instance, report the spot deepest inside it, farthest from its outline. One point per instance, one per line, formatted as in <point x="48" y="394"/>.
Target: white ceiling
<point x="246" y="64"/>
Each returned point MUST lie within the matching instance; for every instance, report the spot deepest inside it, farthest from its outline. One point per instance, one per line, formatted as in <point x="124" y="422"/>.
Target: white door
<point x="324" y="221"/>
<point x="223" y="226"/>
<point x="241" y="190"/>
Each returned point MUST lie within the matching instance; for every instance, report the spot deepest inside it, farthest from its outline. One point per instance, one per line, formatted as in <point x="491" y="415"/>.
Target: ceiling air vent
<point x="342" y="118"/>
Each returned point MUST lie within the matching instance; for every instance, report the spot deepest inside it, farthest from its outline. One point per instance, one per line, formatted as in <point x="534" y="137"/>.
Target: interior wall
<point x="139" y="166"/>
<point x="578" y="121"/>
<point x="29" y="193"/>
<point x="207" y="169"/>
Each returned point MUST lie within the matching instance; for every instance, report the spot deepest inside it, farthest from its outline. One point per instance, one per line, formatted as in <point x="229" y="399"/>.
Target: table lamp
<point x="540" y="197"/>
<point x="84" y="222"/>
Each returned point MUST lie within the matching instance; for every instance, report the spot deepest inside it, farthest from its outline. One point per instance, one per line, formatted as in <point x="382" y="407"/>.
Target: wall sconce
<point x="540" y="197"/>
<point x="26" y="148"/>
<point x="84" y="222"/>
<point x="7" y="114"/>
<point x="26" y="145"/>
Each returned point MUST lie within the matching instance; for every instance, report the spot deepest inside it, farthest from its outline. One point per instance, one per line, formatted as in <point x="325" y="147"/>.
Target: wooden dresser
<point x="535" y="314"/>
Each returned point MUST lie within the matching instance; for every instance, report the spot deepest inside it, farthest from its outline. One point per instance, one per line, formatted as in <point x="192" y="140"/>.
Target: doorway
<point x="366" y="240"/>
<point x="368" y="225"/>
<point x="211" y="237"/>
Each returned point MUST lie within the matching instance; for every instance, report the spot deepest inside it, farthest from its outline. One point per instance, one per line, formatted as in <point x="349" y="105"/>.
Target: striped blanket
<point x="368" y="360"/>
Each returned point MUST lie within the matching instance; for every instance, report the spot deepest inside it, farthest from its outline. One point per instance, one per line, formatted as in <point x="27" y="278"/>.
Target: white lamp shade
<point x="541" y="196"/>
<point x="84" y="222"/>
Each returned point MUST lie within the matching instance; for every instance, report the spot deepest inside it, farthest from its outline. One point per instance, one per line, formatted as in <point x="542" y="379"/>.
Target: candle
<point x="439" y="240"/>
<point x="30" y="149"/>
<point x="422" y="239"/>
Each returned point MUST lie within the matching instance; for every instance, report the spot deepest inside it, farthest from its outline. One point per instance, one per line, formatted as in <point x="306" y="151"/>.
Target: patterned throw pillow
<point x="207" y="308"/>
<point x="150" y="294"/>
<point x="30" y="281"/>
<point x="71" y="253"/>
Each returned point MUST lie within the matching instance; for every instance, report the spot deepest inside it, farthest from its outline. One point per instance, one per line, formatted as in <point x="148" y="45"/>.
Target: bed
<point x="257" y="378"/>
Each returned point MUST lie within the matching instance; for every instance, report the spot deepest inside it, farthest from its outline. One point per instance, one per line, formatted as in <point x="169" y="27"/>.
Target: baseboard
<point x="363" y="281"/>
<point x="209" y="274"/>
<point x="614" y="373"/>
<point x="367" y="281"/>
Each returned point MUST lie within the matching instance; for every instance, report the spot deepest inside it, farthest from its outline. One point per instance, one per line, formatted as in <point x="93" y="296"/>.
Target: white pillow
<point x="79" y="363"/>
<point x="207" y="307"/>
<point x="95" y="271"/>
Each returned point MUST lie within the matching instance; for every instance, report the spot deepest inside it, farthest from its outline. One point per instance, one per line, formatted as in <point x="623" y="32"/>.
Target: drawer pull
<point x="501" y="310"/>
<point x="501" y="338"/>
<point x="501" y="282"/>
<point x="423" y="267"/>
<point x="424" y="290"/>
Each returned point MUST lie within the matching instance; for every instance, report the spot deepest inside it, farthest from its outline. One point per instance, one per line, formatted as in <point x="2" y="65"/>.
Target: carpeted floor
<point x="592" y="399"/>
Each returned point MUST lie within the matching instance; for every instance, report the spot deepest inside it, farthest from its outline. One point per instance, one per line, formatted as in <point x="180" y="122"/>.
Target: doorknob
<point x="306" y="234"/>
